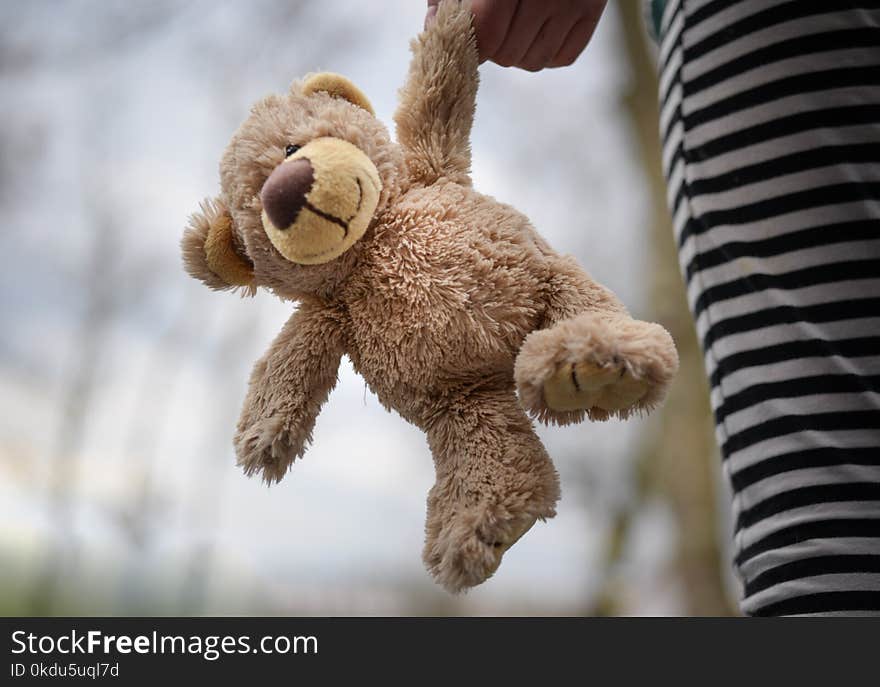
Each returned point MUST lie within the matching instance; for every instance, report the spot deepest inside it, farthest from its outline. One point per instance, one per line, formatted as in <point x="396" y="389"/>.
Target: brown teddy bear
<point x="445" y="300"/>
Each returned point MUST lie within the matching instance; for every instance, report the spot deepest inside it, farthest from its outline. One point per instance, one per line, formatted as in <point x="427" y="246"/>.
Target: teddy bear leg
<point x="597" y="364"/>
<point x="494" y="480"/>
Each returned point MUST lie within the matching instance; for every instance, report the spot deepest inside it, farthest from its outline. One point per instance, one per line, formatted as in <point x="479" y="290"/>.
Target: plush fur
<point x="447" y="304"/>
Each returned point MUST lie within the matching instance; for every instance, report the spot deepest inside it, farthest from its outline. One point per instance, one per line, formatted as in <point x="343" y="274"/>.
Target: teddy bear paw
<point x="266" y="446"/>
<point x="598" y="366"/>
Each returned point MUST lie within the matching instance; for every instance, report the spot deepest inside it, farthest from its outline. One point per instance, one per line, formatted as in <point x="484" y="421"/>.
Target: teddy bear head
<point x="302" y="181"/>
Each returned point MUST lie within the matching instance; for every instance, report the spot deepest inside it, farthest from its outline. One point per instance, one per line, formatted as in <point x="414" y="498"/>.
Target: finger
<point x="547" y="43"/>
<point x="527" y="22"/>
<point x="576" y="41"/>
<point x="492" y="20"/>
<point x="432" y="12"/>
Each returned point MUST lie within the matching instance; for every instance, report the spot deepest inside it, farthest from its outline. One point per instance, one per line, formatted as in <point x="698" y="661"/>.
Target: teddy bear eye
<point x="290" y="149"/>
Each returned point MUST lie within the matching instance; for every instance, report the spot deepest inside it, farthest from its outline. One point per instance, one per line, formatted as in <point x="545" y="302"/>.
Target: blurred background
<point x="121" y="378"/>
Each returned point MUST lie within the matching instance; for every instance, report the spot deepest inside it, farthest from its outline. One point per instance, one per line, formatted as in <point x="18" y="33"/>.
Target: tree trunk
<point x="680" y="450"/>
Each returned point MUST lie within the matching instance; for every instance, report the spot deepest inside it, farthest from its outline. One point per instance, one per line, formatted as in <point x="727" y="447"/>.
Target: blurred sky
<point x="111" y="359"/>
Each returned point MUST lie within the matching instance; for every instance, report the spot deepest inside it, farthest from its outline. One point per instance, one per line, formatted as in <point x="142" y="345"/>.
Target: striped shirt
<point x="770" y="121"/>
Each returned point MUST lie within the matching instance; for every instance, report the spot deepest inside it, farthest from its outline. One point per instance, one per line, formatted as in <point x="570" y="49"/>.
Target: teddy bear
<point x="455" y="311"/>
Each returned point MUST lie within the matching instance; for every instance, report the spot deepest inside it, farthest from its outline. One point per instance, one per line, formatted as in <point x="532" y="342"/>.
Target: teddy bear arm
<point x="288" y="387"/>
<point x="436" y="110"/>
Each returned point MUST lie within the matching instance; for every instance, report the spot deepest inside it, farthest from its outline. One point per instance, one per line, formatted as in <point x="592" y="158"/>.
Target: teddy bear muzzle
<point x="319" y="201"/>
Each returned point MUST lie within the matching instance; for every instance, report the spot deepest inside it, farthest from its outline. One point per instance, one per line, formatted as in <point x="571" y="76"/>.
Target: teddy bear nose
<point x="284" y="192"/>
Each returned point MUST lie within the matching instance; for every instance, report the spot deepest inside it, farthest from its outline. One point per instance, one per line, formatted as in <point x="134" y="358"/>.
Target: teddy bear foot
<point x="585" y="384"/>
<point x="494" y="481"/>
<point x="596" y="366"/>
<point x="470" y="546"/>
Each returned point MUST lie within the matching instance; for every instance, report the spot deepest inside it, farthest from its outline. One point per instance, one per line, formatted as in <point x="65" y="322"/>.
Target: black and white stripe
<point x="770" y="121"/>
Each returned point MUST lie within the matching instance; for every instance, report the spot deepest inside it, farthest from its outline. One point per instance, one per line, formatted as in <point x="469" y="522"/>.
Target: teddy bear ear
<point x="209" y="250"/>
<point x="338" y="87"/>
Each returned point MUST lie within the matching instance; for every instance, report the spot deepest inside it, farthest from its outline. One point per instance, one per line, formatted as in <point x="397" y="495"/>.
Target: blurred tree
<point x="76" y="400"/>
<point x="231" y="351"/>
<point x="140" y="515"/>
<point x="676" y="454"/>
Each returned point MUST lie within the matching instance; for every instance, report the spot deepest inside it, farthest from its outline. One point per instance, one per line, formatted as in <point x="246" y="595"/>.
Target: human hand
<point x="532" y="34"/>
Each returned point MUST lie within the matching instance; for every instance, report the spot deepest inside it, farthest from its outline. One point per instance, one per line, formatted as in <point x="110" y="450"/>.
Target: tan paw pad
<point x="585" y="385"/>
